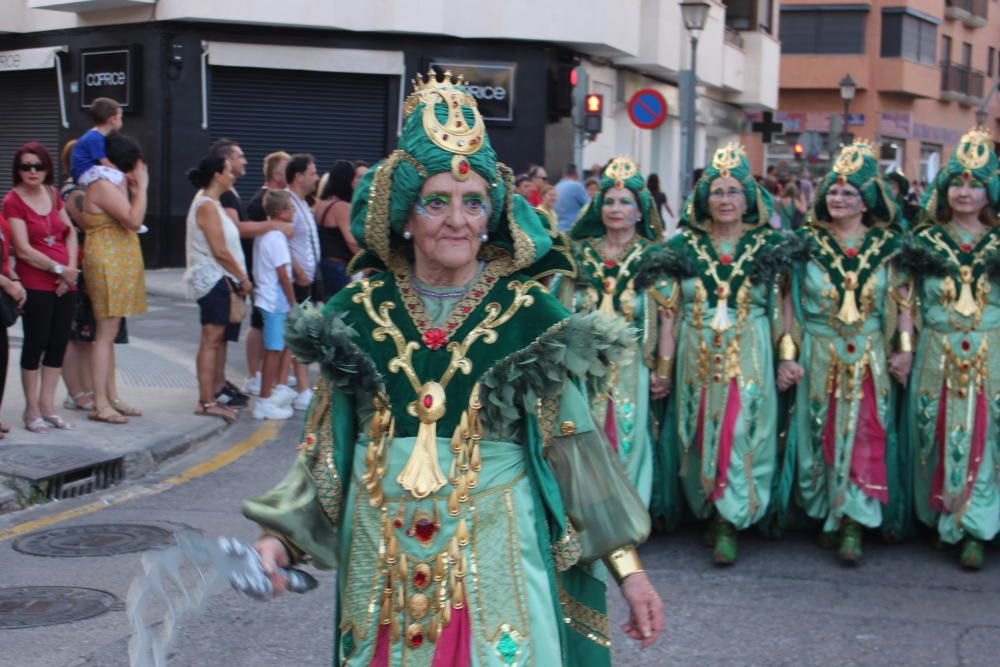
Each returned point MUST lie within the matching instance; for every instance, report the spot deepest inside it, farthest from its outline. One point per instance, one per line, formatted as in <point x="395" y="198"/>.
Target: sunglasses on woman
<point x="31" y="166"/>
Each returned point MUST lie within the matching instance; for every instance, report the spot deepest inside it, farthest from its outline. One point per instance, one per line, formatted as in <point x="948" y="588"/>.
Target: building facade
<point x="922" y="69"/>
<point x="329" y="78"/>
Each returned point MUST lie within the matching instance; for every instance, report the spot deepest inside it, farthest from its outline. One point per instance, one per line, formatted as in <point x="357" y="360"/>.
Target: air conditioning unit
<point x="87" y="5"/>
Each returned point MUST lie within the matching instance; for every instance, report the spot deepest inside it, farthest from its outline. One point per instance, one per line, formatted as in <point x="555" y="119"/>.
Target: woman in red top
<point x="46" y="251"/>
<point x="10" y="284"/>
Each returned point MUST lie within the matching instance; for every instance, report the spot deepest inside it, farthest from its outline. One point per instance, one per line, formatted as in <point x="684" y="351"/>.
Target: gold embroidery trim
<point x="590" y="623"/>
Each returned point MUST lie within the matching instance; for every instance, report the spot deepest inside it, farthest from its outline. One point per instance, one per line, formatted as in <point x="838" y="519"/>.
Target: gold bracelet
<point x="905" y="341"/>
<point x="664" y="367"/>
<point x="787" y="351"/>
<point x="623" y="562"/>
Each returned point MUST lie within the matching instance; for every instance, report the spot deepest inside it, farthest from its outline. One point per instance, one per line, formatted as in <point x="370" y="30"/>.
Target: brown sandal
<point x="108" y="415"/>
<point x="126" y="410"/>
<point x="204" y="410"/>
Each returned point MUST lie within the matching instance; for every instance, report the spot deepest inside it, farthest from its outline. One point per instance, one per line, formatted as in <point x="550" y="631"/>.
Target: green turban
<point x="974" y="158"/>
<point x="622" y="173"/>
<point x="443" y="131"/>
<point x="857" y="164"/>
<point x="729" y="161"/>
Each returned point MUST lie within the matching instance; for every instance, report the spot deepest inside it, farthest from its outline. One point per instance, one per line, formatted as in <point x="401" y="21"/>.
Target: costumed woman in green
<point x="717" y="280"/>
<point x="953" y="408"/>
<point x="847" y="310"/>
<point x="611" y="236"/>
<point x="450" y="469"/>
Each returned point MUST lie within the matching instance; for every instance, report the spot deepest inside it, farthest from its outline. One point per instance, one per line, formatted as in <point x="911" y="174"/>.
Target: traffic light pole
<point x="579" y="99"/>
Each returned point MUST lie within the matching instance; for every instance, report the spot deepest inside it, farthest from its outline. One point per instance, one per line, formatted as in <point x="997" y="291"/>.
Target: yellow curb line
<point x="220" y="460"/>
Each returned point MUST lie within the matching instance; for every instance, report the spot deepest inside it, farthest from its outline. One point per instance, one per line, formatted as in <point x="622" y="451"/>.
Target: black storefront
<point x="269" y="89"/>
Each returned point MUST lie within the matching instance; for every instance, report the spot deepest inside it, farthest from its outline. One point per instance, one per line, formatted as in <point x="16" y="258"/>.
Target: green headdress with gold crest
<point x="857" y="165"/>
<point x="974" y="159"/>
<point x="729" y="161"/>
<point x="622" y="173"/>
<point x="443" y="131"/>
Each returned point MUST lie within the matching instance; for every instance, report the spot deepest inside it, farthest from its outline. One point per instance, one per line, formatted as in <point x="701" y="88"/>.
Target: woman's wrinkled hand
<point x="16" y="291"/>
<point x="645" y="621"/>
<point x="272" y="556"/>
<point x="789" y="374"/>
<point x="659" y="387"/>
<point x="900" y="365"/>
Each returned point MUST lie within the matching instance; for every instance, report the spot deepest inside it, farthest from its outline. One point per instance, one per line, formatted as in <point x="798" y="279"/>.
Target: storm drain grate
<point x="55" y="472"/>
<point x="93" y="540"/>
<point x="34" y="606"/>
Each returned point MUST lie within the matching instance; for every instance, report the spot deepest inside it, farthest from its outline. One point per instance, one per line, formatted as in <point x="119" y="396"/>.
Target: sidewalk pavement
<point x="151" y="376"/>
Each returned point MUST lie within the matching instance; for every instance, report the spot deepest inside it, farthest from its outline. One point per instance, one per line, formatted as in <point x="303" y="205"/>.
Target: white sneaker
<point x="265" y="409"/>
<point x="303" y="400"/>
<point x="252" y="385"/>
<point x="283" y="396"/>
<point x="291" y="382"/>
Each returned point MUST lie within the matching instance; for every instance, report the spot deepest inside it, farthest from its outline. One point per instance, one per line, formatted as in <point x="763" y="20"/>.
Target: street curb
<point x="140" y="463"/>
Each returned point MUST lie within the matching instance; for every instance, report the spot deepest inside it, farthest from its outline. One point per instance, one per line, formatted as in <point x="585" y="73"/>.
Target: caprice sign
<point x="110" y="72"/>
<point x="491" y="83"/>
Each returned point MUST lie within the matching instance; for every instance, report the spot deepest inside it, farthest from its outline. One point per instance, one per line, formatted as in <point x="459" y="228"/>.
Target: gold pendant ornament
<point x="966" y="304"/>
<point x="721" y="321"/>
<point x="422" y="474"/>
<point x="607" y="306"/>
<point x="849" y="313"/>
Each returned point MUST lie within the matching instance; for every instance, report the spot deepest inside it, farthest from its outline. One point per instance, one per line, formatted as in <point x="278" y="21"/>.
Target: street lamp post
<point x="694" y="14"/>
<point x="847" y="89"/>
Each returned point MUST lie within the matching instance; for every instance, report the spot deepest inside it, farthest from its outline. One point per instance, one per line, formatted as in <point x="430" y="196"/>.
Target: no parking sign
<point x="647" y="109"/>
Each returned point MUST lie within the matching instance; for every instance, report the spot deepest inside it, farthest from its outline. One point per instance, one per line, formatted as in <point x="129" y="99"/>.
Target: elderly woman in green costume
<point x="610" y="238"/>
<point x="450" y="468"/>
<point x="716" y="281"/>
<point x="953" y="408"/>
<point x="846" y="302"/>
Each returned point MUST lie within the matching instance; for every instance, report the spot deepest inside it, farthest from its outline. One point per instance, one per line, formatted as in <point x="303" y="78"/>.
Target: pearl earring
<point x="407" y="234"/>
<point x="484" y="237"/>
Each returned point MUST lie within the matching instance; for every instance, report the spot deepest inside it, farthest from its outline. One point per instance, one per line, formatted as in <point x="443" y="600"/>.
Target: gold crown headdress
<point x="620" y="170"/>
<point x="455" y="135"/>
<point x="974" y="148"/>
<point x="727" y="158"/>
<point x="852" y="158"/>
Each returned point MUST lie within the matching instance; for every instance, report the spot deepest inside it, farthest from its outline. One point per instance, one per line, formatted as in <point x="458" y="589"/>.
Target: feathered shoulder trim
<point x="916" y="259"/>
<point x="664" y="262"/>
<point x="579" y="348"/>
<point x="778" y="258"/>
<point x="324" y="338"/>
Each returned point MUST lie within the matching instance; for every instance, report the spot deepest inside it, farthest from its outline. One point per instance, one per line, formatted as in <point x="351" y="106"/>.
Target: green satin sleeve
<point x="604" y="507"/>
<point x="292" y="510"/>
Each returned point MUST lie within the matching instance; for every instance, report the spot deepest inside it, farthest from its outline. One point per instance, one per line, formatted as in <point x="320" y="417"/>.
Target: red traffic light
<point x="573" y="77"/>
<point x="594" y="103"/>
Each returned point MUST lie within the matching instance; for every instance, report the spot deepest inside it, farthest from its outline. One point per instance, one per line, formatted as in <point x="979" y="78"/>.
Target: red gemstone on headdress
<point x="490" y="279"/>
<point x="966" y="247"/>
<point x="458" y="123"/>
<point x="726" y="259"/>
<point x="966" y="346"/>
<point x="477" y="293"/>
<point x="444" y="137"/>
<point x="466" y="309"/>
<point x="851" y="252"/>
<point x="851" y="349"/>
<point x="425" y="530"/>
<point x="610" y="264"/>
<point x="463" y="167"/>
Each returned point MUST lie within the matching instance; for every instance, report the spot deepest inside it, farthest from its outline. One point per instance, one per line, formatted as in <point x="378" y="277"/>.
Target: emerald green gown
<point x="724" y="412"/>
<point x="953" y="401"/>
<point x="843" y="427"/>
<point x="497" y="561"/>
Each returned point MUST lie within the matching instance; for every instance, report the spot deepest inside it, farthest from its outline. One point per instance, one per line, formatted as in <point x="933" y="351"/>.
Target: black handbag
<point x="8" y="310"/>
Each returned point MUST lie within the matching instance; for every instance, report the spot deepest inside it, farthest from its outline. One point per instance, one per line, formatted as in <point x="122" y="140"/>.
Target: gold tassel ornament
<point x="849" y="313"/>
<point x="966" y="304"/>
<point x="422" y="474"/>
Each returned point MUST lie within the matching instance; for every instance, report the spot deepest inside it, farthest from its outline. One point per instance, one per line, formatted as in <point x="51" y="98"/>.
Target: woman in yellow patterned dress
<point x="112" y="265"/>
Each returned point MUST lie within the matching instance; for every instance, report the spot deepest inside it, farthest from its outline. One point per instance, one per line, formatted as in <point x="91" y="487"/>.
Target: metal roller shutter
<point x="332" y="116"/>
<point x="32" y="114"/>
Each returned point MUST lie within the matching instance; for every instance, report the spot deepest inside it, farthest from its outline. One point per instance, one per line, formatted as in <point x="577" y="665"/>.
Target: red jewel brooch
<point x="435" y="338"/>
<point x="610" y="264"/>
<point x="851" y="252"/>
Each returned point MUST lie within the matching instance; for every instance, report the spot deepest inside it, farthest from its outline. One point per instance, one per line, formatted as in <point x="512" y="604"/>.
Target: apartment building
<point x="922" y="69"/>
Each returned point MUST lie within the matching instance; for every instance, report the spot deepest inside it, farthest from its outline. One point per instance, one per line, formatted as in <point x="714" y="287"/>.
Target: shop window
<point x="828" y="30"/>
<point x="891" y="155"/>
<point x="930" y="162"/>
<point x="907" y="36"/>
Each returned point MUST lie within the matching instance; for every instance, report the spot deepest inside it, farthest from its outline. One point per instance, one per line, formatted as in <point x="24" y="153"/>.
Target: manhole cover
<point x="33" y="606"/>
<point x="93" y="540"/>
